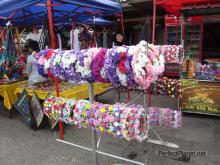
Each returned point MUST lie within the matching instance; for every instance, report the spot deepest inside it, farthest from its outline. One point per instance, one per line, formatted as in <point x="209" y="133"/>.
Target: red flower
<point x="121" y="67"/>
<point x="50" y="75"/>
<point x="123" y="55"/>
<point x="49" y="54"/>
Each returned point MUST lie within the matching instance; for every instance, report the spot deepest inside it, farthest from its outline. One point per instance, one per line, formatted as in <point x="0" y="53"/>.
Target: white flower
<point x="143" y="49"/>
<point x="143" y="42"/>
<point x="103" y="74"/>
<point x="47" y="65"/>
<point x="145" y="59"/>
<point x="57" y="59"/>
<point x="121" y="49"/>
<point x="122" y="77"/>
<point x="131" y="50"/>
<point x="83" y="71"/>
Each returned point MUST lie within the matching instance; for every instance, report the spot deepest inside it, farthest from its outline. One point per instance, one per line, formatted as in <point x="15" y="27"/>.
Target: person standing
<point x="31" y="68"/>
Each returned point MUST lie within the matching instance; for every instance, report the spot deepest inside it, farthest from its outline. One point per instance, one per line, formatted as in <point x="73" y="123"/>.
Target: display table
<point x="200" y="96"/>
<point x="66" y="90"/>
<point x="8" y="94"/>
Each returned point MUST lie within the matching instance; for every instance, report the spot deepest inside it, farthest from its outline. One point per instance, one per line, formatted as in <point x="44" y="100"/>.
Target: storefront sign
<point x="200" y="96"/>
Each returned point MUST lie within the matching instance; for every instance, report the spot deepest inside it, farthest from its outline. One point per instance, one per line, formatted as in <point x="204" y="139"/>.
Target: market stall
<point x="33" y="13"/>
<point x="67" y="90"/>
<point x="200" y="66"/>
<point x="11" y="69"/>
<point x="7" y="92"/>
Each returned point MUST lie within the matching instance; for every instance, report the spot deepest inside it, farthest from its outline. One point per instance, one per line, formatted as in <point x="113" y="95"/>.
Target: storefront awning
<point x="34" y="12"/>
<point x="175" y="6"/>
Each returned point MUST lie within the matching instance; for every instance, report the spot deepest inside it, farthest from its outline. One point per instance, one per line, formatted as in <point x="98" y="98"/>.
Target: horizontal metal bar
<point x="157" y="135"/>
<point x="168" y="144"/>
<point x="100" y="152"/>
<point x="99" y="141"/>
<point x="73" y="144"/>
<point x="119" y="157"/>
<point x="136" y="98"/>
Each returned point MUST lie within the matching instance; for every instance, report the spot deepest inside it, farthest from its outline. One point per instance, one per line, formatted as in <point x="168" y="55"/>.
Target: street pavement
<point x="19" y="145"/>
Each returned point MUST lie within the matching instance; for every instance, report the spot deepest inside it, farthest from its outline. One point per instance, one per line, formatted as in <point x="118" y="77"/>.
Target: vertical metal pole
<point x="60" y="122"/>
<point x="177" y="30"/>
<point x="201" y="41"/>
<point x="119" y="93"/>
<point x="154" y="21"/>
<point x="146" y="113"/>
<point x="129" y="95"/>
<point x="182" y="27"/>
<point x="182" y="43"/>
<point x="94" y="136"/>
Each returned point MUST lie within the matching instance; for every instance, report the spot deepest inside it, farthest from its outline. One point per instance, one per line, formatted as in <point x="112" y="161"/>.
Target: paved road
<point x="20" y="145"/>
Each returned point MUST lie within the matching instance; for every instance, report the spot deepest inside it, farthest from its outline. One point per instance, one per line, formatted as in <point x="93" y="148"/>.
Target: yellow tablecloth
<point x="8" y="93"/>
<point x="74" y="92"/>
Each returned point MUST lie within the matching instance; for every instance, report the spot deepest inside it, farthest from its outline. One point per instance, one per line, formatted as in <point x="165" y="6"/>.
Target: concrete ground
<point x="19" y="145"/>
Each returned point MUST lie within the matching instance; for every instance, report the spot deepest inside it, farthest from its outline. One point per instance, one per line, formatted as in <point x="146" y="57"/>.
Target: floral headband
<point x="127" y="66"/>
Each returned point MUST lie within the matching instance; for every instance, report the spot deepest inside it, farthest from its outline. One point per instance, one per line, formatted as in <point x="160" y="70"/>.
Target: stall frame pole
<point x="154" y="21"/>
<point x="122" y="23"/>
<point x="53" y="46"/>
<point x="51" y="26"/>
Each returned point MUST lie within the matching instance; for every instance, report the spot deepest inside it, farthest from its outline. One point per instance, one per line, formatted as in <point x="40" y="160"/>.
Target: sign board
<point x="37" y="110"/>
<point x="200" y="96"/>
<point x="23" y="107"/>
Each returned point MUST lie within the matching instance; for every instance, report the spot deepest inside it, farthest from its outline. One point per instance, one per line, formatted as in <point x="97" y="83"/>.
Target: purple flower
<point x="97" y="65"/>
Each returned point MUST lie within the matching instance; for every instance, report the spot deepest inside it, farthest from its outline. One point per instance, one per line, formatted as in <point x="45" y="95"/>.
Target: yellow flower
<point x="101" y="129"/>
<point x="110" y="108"/>
<point x="87" y="106"/>
<point x="102" y="110"/>
<point x="83" y="114"/>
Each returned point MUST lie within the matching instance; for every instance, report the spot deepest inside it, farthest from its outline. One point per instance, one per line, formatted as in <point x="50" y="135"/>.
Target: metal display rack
<point x="96" y="143"/>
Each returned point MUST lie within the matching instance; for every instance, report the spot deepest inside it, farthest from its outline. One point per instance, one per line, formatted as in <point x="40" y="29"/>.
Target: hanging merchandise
<point x="74" y="39"/>
<point x="8" y="56"/>
<point x="204" y="72"/>
<point x="167" y="87"/>
<point x="165" y="117"/>
<point x="119" y="120"/>
<point x="171" y="53"/>
<point x="104" y="39"/>
<point x="127" y="66"/>
<point x="10" y="69"/>
<point x="59" y="41"/>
